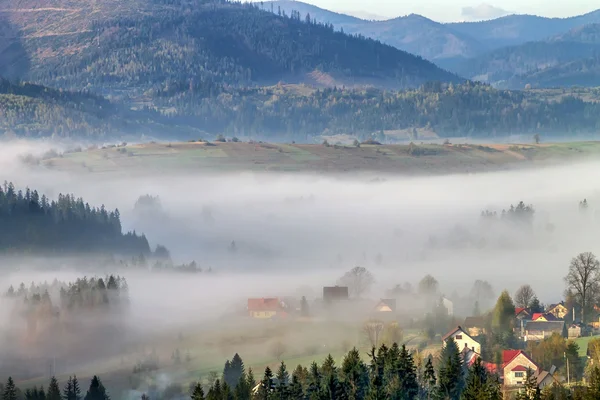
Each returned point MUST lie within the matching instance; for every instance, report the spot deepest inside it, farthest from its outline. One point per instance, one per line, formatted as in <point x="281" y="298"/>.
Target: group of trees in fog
<point x="84" y="293"/>
<point x="71" y="391"/>
<point x="35" y="224"/>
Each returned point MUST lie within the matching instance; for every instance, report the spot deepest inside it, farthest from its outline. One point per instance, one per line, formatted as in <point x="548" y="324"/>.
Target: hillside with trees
<point x="34" y="224"/>
<point x="31" y="110"/>
<point x="568" y="59"/>
<point x="123" y="52"/>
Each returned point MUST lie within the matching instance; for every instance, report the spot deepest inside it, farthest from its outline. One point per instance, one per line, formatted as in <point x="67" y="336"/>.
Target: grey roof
<point x="550" y="326"/>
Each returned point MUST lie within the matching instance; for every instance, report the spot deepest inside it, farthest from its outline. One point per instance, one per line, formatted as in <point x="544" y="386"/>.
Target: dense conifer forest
<point x="35" y="224"/>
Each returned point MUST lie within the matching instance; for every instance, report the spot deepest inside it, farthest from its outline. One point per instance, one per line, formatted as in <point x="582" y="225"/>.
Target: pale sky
<point x="461" y="10"/>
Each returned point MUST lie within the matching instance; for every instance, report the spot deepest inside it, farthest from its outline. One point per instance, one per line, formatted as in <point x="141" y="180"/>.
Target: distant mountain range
<point x="510" y="51"/>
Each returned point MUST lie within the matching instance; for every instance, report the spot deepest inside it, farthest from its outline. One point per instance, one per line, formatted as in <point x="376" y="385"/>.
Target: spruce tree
<point x="237" y="370"/>
<point x="480" y="385"/>
<point x="251" y="382"/>
<point x="283" y="380"/>
<point x="593" y="391"/>
<point x="429" y="381"/>
<point x="377" y="390"/>
<point x="296" y="391"/>
<point x="227" y="375"/>
<point x="97" y="391"/>
<point x="41" y="393"/>
<point x="215" y="392"/>
<point x="76" y="389"/>
<point x="450" y="373"/>
<point x="198" y="392"/>
<point x="265" y="391"/>
<point x="53" y="390"/>
<point x="314" y="382"/>
<point x="242" y="390"/>
<point x="10" y="390"/>
<point x="407" y="375"/>
<point x="355" y="375"/>
<point x="68" y="390"/>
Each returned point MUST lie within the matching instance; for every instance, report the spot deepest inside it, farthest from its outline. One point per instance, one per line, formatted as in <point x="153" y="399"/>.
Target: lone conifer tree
<point x="10" y="390"/>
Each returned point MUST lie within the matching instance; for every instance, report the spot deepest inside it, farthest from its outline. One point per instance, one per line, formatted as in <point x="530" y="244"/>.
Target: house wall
<point x="476" y="331"/>
<point x="538" y="335"/>
<point x="574" y="332"/>
<point x="517" y="378"/>
<point x="559" y="312"/>
<point x="263" y="314"/>
<point x="463" y="340"/>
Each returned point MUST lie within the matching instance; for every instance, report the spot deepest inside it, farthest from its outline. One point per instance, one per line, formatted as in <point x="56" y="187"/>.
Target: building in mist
<point x="266" y="308"/>
<point x="335" y="293"/>
<point x="463" y="340"/>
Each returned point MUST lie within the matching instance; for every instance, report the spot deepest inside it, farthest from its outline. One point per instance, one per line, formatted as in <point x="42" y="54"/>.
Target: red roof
<point x="490" y="367"/>
<point x="509" y="355"/>
<point x="519" y="310"/>
<point x="536" y="316"/>
<point x="264" y="304"/>
<point x="519" y="368"/>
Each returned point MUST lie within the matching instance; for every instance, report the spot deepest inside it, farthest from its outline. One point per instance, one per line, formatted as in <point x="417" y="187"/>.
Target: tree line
<point x="35" y="224"/>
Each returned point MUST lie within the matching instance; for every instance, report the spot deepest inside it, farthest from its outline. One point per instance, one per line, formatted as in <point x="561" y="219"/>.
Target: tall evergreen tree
<point x="355" y="376"/>
<point x="450" y="373"/>
<point x="283" y="380"/>
<point x="215" y="392"/>
<point x="377" y="389"/>
<point x="429" y="381"/>
<point x="97" y="391"/>
<point x="480" y="385"/>
<point x="10" y="390"/>
<point x="406" y="374"/>
<point x="315" y="383"/>
<point x="237" y="370"/>
<point x="53" y="390"/>
<point x="198" y="392"/>
<point x="68" y="393"/>
<point x="265" y="391"/>
<point x="76" y="388"/>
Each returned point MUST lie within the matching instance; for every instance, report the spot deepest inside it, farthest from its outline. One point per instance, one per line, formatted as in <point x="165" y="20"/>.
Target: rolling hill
<point x="445" y="44"/>
<point x="568" y="59"/>
<point x="413" y="33"/>
<point x="130" y="48"/>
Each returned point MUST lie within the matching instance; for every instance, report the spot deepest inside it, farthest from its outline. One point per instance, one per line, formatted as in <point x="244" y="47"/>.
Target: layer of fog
<point x="325" y="224"/>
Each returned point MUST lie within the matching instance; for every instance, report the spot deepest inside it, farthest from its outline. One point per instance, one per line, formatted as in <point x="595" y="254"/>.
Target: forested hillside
<point x="471" y="109"/>
<point x="32" y="110"/>
<point x="35" y="224"/>
<point x="174" y="42"/>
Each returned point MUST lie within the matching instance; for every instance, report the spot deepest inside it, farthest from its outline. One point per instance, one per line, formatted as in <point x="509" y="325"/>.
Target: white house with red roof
<point x="515" y="364"/>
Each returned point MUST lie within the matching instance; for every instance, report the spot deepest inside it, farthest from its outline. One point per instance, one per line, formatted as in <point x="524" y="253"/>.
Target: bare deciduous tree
<point x="372" y="330"/>
<point x="358" y="280"/>
<point x="584" y="280"/>
<point x="428" y="286"/>
<point x="524" y="296"/>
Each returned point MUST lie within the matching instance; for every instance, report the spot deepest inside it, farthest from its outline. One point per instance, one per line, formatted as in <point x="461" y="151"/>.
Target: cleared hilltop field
<point x="413" y="159"/>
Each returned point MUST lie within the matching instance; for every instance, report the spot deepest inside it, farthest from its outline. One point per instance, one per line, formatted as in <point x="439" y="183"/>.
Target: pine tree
<point x="97" y="391"/>
<point x="377" y="390"/>
<point x="53" y="390"/>
<point x="251" y="382"/>
<point x="68" y="390"/>
<point x="265" y="391"/>
<point x="237" y="370"/>
<point x="450" y="373"/>
<point x="76" y="389"/>
<point x="198" y="392"/>
<point x="480" y="385"/>
<point x="227" y="378"/>
<point x="215" y="392"/>
<point x="296" y="387"/>
<point x="242" y="390"/>
<point x="41" y="393"/>
<point x="10" y="390"/>
<point x="428" y="384"/>
<point x="406" y="374"/>
<point x="283" y="380"/>
<point x="355" y="375"/>
<point x="530" y="390"/>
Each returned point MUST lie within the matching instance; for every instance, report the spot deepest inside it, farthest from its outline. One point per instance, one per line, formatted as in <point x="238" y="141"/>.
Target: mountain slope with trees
<point x="569" y="59"/>
<point x="146" y="45"/>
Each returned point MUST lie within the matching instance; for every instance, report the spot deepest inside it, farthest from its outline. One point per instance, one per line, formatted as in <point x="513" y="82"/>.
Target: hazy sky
<point x="460" y="10"/>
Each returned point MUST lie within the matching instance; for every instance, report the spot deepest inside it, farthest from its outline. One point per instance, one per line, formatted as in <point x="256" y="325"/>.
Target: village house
<point x="463" y="340"/>
<point x="449" y="305"/>
<point x="558" y="310"/>
<point x="539" y="330"/>
<point x="335" y="293"/>
<point x="266" y="308"/>
<point x="515" y="364"/>
<point x="544" y="317"/>
<point x="546" y="378"/>
<point x="475" y="326"/>
<point x="386" y="306"/>
<point x="522" y="314"/>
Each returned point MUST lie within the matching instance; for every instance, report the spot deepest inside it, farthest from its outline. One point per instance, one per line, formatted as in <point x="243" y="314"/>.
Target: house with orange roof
<point x="265" y="308"/>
